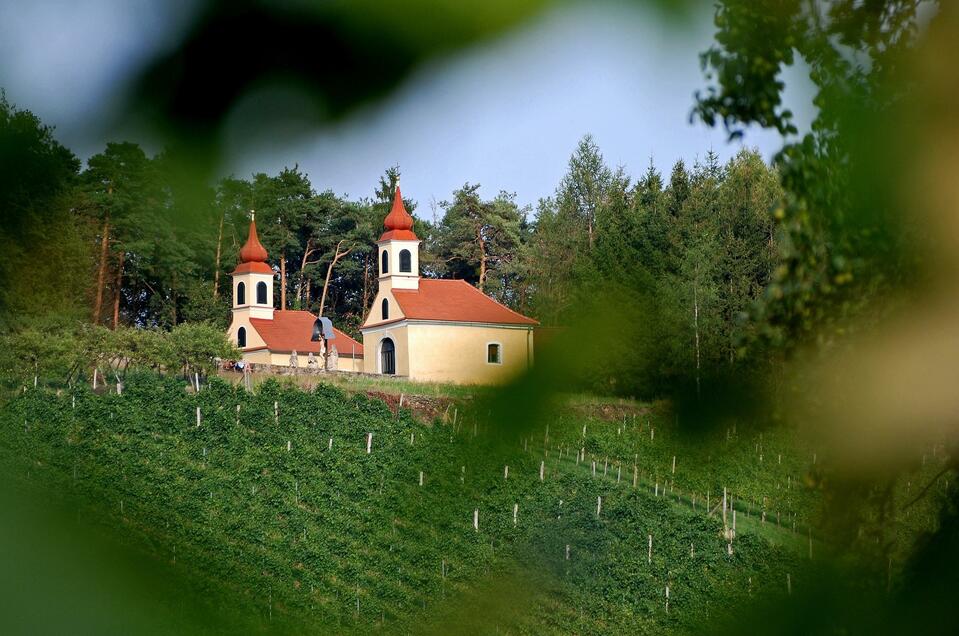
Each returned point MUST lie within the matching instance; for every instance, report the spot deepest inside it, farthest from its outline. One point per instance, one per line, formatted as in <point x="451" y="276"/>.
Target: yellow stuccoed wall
<point x="435" y="352"/>
<point x="371" y="349"/>
<point x="302" y="359"/>
<point x="253" y="339"/>
<point x="457" y="353"/>
<point x="374" y="317"/>
<point x="257" y="357"/>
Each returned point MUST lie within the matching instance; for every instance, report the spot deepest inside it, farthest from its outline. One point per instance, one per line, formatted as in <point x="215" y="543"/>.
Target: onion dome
<point x="253" y="255"/>
<point x="253" y="251"/>
<point x="398" y="223"/>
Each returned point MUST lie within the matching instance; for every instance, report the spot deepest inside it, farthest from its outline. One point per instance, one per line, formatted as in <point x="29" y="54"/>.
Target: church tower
<point x="252" y="281"/>
<point x="399" y="249"/>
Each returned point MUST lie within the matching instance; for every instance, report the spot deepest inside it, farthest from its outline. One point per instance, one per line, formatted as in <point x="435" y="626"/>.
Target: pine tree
<point x="476" y="239"/>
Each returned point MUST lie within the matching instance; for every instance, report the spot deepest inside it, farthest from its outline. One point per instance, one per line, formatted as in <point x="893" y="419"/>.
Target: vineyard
<point x="319" y="511"/>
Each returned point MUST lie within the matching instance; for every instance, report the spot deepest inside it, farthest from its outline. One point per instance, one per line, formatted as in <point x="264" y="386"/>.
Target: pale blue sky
<point x="505" y="114"/>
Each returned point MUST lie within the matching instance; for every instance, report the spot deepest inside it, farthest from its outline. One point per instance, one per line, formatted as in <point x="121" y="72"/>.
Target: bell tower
<point x="398" y="249"/>
<point x="252" y="280"/>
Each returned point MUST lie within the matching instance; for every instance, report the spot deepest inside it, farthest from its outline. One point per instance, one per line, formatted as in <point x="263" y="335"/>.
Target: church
<point x="268" y="336"/>
<point x="424" y="329"/>
<point x="437" y="330"/>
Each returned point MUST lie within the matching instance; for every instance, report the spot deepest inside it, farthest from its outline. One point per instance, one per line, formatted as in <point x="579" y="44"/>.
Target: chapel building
<point x="437" y="330"/>
<point x="269" y="336"/>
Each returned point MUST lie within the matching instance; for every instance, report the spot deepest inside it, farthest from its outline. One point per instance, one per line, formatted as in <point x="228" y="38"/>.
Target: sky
<point x="505" y="114"/>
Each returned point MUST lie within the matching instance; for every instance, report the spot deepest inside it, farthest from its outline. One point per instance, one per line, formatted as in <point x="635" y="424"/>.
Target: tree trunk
<point x="730" y="319"/>
<point x="216" y="269"/>
<point x="696" y="327"/>
<point x="102" y="271"/>
<point x="337" y="255"/>
<point x="366" y="283"/>
<point x="283" y="280"/>
<point x="307" y="290"/>
<point x="173" y="300"/>
<point x="301" y="278"/>
<point x="326" y="285"/>
<point x="116" y="293"/>
<point x="482" y="248"/>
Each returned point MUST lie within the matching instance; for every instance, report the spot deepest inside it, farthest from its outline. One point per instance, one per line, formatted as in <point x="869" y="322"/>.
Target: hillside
<point x="271" y="511"/>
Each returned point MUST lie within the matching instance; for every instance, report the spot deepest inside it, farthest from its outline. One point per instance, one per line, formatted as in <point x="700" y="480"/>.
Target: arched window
<point x="261" y="293"/>
<point x="387" y="357"/>
<point x="241" y="336"/>
<point x="240" y="293"/>
<point x="494" y="353"/>
<point x="386" y="309"/>
<point x="385" y="265"/>
<point x="406" y="261"/>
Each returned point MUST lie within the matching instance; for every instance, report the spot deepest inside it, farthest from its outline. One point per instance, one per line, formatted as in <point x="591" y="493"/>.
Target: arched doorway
<point x="387" y="357"/>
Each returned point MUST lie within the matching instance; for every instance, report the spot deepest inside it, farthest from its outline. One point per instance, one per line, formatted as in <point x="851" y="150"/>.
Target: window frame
<point x="240" y="293"/>
<point x="499" y="352"/>
<point x="385" y="262"/>
<point x="385" y="309"/>
<point x="409" y="262"/>
<point x="241" y="337"/>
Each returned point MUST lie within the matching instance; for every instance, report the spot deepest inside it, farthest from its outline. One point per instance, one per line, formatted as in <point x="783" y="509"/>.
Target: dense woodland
<point x="116" y="243"/>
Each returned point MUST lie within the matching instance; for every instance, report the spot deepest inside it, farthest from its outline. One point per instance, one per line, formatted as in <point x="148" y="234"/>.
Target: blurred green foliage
<point x="846" y="242"/>
<point x="702" y="289"/>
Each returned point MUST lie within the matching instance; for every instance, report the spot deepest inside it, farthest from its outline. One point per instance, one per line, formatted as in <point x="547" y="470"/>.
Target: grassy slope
<point x="309" y="539"/>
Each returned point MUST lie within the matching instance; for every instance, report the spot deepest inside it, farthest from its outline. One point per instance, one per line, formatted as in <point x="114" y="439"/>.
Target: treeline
<point x="124" y="242"/>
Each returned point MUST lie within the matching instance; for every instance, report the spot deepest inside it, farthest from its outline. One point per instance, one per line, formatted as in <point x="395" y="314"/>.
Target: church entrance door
<point x="387" y="357"/>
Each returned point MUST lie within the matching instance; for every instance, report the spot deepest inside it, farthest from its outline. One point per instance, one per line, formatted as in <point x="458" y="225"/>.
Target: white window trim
<point x="486" y="351"/>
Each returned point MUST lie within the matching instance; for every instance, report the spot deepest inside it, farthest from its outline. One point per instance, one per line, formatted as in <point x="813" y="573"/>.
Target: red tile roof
<point x="291" y="331"/>
<point x="457" y="301"/>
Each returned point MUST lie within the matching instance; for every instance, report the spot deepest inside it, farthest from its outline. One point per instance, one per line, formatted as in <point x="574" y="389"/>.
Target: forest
<point x="118" y="245"/>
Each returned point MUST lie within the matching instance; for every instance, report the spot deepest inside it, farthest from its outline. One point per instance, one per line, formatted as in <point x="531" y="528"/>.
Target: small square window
<point x="493" y="353"/>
